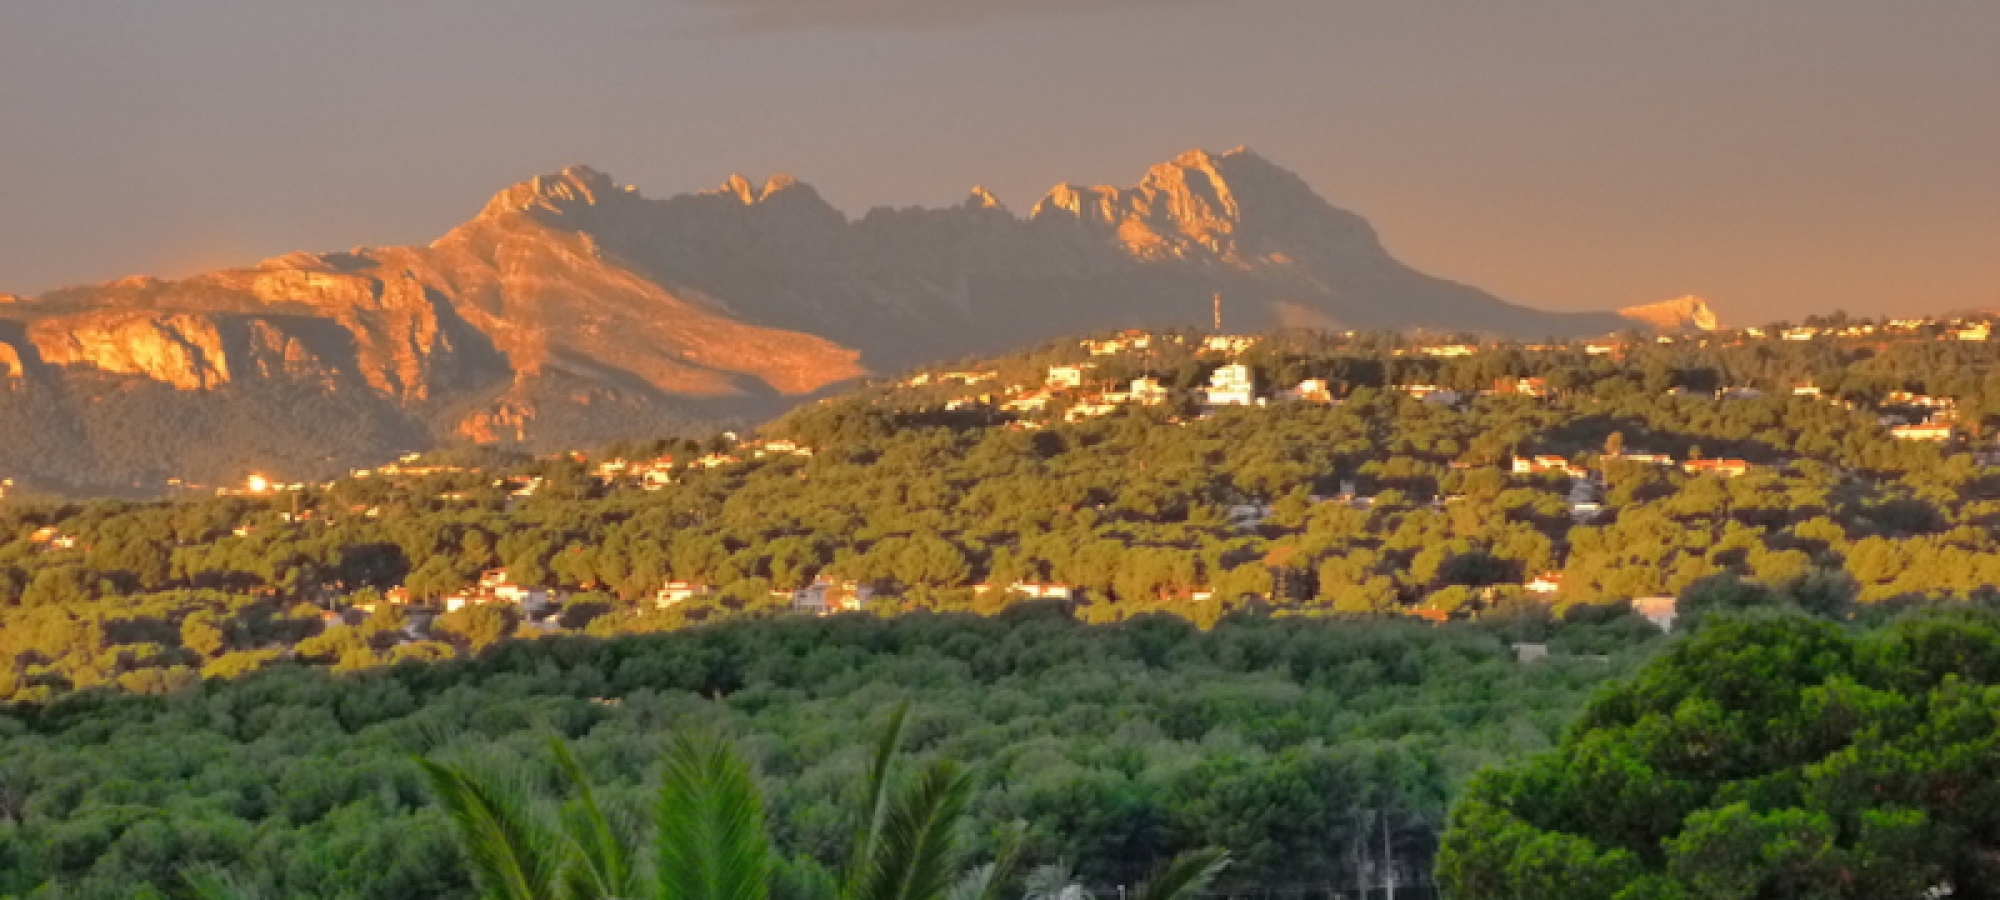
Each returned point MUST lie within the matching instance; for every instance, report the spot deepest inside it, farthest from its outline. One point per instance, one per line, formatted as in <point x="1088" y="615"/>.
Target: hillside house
<point x="1063" y="378"/>
<point x="1247" y="516"/>
<point x="1921" y="401"/>
<point x="1119" y="344"/>
<point x="1450" y="351"/>
<point x="1431" y="393"/>
<point x="1545" y="583"/>
<point x="1525" y="387"/>
<point x="675" y="593"/>
<point x="1091" y="408"/>
<point x="1311" y="390"/>
<point x="1929" y="431"/>
<point x="1231" y="344"/>
<point x="497" y="586"/>
<point x="1148" y="392"/>
<point x="1661" y="611"/>
<point x="1534" y="465"/>
<point x="1232" y="385"/>
<point x="1032" y="401"/>
<point x="502" y="587"/>
<point x="48" y="538"/>
<point x="1584" y="507"/>
<point x="824" y="597"/>
<point x="779" y="448"/>
<point x="1977" y="331"/>
<point x="1033" y="590"/>
<point x="1727" y="468"/>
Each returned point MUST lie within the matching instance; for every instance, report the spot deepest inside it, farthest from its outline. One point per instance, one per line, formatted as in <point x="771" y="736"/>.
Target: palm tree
<point x="709" y="840"/>
<point x="1182" y="879"/>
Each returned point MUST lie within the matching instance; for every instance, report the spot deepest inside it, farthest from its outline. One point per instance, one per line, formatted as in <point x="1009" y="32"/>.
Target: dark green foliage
<point x="1768" y="756"/>
<point x="1118" y="746"/>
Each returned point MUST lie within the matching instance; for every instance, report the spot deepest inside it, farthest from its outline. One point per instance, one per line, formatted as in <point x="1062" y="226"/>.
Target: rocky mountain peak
<point x="1688" y="313"/>
<point x="567" y="191"/>
<point x="981" y="198"/>
<point x="739" y="187"/>
<point x="1207" y="204"/>
<point x="777" y="186"/>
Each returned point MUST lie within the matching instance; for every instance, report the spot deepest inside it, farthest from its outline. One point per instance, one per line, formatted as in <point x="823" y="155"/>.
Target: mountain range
<point x="572" y="310"/>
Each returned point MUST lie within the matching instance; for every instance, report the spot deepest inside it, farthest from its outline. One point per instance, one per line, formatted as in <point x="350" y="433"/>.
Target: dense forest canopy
<point x="1287" y="741"/>
<point x="1767" y="756"/>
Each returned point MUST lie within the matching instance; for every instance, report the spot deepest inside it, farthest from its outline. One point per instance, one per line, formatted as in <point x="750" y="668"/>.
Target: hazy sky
<point x="1779" y="158"/>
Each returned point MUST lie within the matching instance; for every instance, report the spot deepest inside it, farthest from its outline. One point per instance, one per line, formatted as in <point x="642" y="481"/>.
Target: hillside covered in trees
<point x="1287" y="742"/>
<point x="1321" y="567"/>
<point x="1306" y="474"/>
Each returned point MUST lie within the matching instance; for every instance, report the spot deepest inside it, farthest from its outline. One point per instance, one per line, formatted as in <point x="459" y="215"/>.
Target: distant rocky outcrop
<point x="1689" y="313"/>
<point x="573" y="309"/>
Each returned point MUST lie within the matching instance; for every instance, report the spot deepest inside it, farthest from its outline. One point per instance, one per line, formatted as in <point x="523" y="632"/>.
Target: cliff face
<point x="573" y="309"/>
<point x="1689" y="313"/>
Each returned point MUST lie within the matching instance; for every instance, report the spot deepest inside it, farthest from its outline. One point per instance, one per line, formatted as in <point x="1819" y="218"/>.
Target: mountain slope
<point x="571" y="309"/>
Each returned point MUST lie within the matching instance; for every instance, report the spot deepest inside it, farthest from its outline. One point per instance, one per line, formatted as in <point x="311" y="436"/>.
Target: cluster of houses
<point x="258" y="485"/>
<point x="1586" y="486"/>
<point x="50" y="539"/>
<point x="824" y="596"/>
<point x="961" y="378"/>
<point x="648" y="474"/>
<point x="407" y="467"/>
<point x="1920" y="417"/>
<point x="1960" y="329"/>
<point x="655" y="474"/>
<point x="495" y="586"/>
<point x="1229" y="385"/>
<point x="1124" y="343"/>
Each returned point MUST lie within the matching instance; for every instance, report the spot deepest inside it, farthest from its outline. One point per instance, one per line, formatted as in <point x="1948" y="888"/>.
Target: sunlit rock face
<point x="572" y="308"/>
<point x="1689" y="313"/>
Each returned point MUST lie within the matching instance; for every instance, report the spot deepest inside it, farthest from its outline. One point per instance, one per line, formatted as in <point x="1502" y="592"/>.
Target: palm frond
<point x="1055" y="881"/>
<point x="514" y="854"/>
<point x="209" y="883"/>
<point x="1186" y="876"/>
<point x="603" y="850"/>
<point x="917" y="854"/>
<point x="981" y="883"/>
<point x="711" y="842"/>
<point x="987" y="881"/>
<point x="874" y="803"/>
